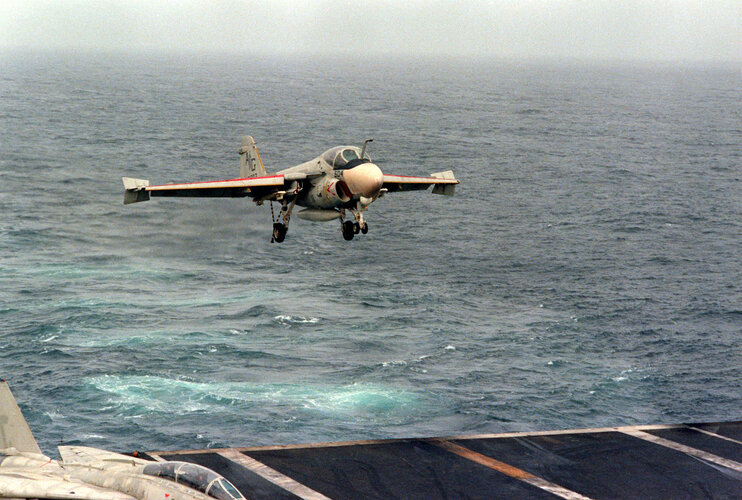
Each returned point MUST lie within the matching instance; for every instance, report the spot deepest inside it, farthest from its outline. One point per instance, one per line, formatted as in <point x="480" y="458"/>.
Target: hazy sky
<point x="693" y="30"/>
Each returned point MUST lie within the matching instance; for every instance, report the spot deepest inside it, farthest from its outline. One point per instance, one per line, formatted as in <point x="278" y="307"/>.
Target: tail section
<point x="14" y="431"/>
<point x="250" y="163"/>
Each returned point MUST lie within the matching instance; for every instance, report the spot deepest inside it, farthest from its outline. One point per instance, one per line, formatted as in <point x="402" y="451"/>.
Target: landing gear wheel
<point x="356" y="228"/>
<point x="348" y="230"/>
<point x="279" y="232"/>
<point x="364" y="228"/>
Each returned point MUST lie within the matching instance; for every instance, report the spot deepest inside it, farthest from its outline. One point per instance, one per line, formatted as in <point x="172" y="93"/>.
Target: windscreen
<point x="195" y="476"/>
<point x="224" y="490"/>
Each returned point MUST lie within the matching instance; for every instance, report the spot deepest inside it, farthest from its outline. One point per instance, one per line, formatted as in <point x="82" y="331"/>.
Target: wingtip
<point x="134" y="184"/>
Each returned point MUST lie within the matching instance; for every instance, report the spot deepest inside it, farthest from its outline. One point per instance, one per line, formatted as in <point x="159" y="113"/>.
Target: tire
<point x="348" y="231"/>
<point x="364" y="228"/>
<point x="279" y="232"/>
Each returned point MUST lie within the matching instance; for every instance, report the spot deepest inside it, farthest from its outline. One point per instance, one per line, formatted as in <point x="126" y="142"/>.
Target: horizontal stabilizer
<point x="445" y="189"/>
<point x="135" y="190"/>
<point x="14" y="431"/>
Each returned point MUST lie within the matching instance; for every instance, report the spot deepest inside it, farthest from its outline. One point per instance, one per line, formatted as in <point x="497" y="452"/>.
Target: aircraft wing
<point x="19" y="483"/>
<point x="89" y="456"/>
<point x="140" y="190"/>
<point x="442" y="182"/>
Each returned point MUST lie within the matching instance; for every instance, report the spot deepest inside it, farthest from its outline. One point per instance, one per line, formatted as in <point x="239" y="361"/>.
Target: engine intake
<point x="329" y="193"/>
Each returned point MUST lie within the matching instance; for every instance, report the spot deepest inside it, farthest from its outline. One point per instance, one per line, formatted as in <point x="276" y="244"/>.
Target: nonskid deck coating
<point x="661" y="461"/>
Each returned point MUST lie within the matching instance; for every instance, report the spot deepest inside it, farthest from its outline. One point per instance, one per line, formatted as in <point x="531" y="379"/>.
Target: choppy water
<point x="587" y="272"/>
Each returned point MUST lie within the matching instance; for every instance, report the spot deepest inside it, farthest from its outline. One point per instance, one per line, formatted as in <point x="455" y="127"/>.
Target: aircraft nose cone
<point x="365" y="179"/>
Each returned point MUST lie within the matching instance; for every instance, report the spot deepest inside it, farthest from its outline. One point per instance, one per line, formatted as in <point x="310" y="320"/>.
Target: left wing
<point x="442" y="182"/>
<point x="140" y="190"/>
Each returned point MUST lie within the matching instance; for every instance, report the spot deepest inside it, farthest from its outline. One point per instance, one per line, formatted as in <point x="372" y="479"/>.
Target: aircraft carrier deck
<point x="660" y="461"/>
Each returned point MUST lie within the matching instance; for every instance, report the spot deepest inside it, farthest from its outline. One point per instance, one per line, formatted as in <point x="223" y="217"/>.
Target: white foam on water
<point x="286" y="319"/>
<point x="160" y="394"/>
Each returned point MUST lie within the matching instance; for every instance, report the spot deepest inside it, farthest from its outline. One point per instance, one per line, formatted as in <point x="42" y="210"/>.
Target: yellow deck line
<point x="509" y="470"/>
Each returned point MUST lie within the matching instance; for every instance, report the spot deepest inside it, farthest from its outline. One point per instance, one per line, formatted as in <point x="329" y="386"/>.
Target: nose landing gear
<point x="348" y="230"/>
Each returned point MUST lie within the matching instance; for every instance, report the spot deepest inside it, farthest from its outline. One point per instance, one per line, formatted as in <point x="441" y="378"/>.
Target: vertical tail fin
<point x="250" y="163"/>
<point x="14" y="431"/>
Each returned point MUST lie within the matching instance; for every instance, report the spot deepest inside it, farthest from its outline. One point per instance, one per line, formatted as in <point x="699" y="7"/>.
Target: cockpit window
<point x="162" y="469"/>
<point x="342" y="157"/>
<point x="223" y="490"/>
<point x="349" y="155"/>
<point x="194" y="476"/>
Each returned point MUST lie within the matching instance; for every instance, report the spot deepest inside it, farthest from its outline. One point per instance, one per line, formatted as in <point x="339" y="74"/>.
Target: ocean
<point x="585" y="274"/>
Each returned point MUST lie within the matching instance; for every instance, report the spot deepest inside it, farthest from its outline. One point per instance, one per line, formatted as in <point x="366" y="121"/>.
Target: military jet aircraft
<point x="342" y="178"/>
<point x="92" y="474"/>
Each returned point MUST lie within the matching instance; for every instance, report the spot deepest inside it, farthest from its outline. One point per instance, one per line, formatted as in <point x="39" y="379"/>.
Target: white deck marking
<point x="704" y="431"/>
<point x="407" y="440"/>
<point x="694" y="452"/>
<point x="272" y="475"/>
<point x="509" y="470"/>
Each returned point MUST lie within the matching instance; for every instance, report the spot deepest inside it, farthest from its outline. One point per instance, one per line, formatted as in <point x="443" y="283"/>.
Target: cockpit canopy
<point x="195" y="476"/>
<point x="344" y="157"/>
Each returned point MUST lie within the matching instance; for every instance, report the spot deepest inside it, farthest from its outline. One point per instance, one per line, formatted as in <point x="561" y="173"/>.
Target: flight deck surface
<point x="661" y="461"/>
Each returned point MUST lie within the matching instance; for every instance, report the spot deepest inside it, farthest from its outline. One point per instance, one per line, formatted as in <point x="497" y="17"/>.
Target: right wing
<point x="140" y="190"/>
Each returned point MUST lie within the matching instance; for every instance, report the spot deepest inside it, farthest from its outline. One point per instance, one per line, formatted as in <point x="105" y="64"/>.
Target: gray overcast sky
<point x="700" y="30"/>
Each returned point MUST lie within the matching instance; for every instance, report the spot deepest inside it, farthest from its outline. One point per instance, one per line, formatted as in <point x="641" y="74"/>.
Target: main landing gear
<point x="279" y="231"/>
<point x="281" y="226"/>
<point x="351" y="229"/>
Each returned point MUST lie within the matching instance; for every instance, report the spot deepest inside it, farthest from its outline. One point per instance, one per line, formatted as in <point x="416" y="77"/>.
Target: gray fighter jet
<point x="342" y="178"/>
<point x="92" y="474"/>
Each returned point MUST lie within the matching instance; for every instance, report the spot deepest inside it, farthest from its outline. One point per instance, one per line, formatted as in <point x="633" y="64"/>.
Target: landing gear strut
<point x="281" y="226"/>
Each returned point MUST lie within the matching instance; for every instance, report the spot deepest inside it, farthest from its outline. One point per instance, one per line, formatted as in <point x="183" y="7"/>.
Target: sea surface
<point x="588" y="271"/>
